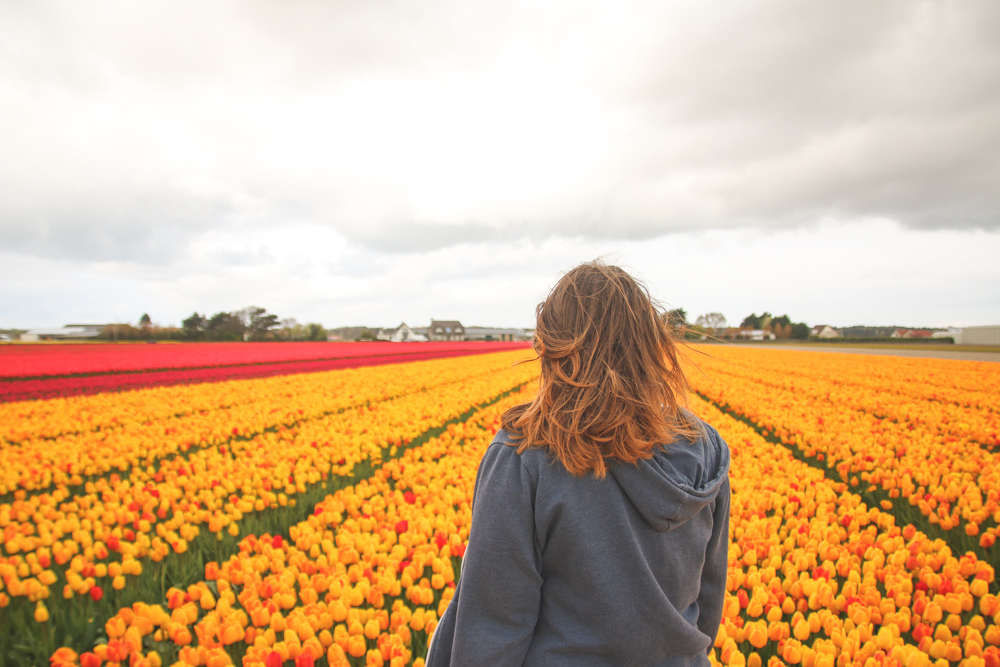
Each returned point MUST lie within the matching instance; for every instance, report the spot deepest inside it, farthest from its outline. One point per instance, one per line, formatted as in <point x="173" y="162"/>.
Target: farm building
<point x="912" y="333"/>
<point x="445" y="330"/>
<point x="68" y="332"/>
<point x="756" y="334"/>
<point x="489" y="333"/>
<point x="954" y="334"/>
<point x="400" y="334"/>
<point x="989" y="335"/>
<point x="824" y="331"/>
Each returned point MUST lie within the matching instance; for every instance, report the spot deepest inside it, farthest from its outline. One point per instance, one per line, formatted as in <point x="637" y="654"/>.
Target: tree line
<point x="252" y="323"/>
<point x="715" y="325"/>
<point x="781" y="327"/>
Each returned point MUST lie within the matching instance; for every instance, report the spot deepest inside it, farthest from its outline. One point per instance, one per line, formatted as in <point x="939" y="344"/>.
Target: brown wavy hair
<point x="611" y="383"/>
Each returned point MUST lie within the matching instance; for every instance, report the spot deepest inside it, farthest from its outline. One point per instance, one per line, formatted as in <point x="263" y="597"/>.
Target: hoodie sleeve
<point x="491" y="618"/>
<point x="711" y="597"/>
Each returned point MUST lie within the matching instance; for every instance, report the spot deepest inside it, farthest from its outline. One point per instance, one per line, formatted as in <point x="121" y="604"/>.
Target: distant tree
<point x="225" y="326"/>
<point x="754" y="321"/>
<point x="711" y="322"/>
<point x="290" y="330"/>
<point x="194" y="326"/>
<point x="800" y="331"/>
<point x="118" y="331"/>
<point x="367" y="335"/>
<point x="677" y="318"/>
<point x="258" y="322"/>
<point x="145" y="322"/>
<point x="315" y="331"/>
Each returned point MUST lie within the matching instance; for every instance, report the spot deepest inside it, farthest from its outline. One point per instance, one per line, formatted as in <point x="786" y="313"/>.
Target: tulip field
<point x="320" y="517"/>
<point x="51" y="371"/>
<point x="866" y="495"/>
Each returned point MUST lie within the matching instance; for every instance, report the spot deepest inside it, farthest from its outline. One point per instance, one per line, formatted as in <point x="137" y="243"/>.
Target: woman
<point x="600" y="519"/>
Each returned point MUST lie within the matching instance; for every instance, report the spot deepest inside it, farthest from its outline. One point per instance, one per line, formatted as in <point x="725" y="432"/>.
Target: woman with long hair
<point x="600" y="518"/>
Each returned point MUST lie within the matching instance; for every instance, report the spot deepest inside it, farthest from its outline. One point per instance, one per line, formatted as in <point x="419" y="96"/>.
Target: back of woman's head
<point x="611" y="383"/>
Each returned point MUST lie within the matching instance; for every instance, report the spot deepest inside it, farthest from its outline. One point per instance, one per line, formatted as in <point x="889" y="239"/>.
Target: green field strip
<point x="80" y="621"/>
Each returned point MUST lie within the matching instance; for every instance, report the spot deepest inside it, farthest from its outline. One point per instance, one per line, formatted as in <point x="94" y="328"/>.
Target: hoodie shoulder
<point x="678" y="480"/>
<point x="532" y="458"/>
<point x="715" y="449"/>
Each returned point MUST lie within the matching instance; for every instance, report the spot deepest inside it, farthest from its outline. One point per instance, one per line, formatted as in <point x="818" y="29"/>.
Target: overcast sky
<point x="377" y="162"/>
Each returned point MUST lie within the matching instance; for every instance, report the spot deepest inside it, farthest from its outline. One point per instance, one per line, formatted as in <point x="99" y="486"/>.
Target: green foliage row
<point x="252" y="323"/>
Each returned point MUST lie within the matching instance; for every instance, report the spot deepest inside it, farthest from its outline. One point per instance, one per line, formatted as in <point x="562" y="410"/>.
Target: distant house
<point x="489" y="333"/>
<point x="823" y="331"/>
<point x="953" y="333"/>
<point x="912" y="333"/>
<point x="756" y="334"/>
<point x="445" y="330"/>
<point x="68" y="332"/>
<point x="402" y="333"/>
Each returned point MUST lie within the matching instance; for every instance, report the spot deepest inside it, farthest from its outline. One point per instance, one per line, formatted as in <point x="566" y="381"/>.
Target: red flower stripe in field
<point x="36" y="361"/>
<point x="22" y="390"/>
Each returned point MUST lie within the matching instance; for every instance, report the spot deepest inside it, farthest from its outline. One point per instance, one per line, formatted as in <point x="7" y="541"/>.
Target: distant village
<point x="256" y="324"/>
<point x="437" y="330"/>
<point x="446" y="330"/>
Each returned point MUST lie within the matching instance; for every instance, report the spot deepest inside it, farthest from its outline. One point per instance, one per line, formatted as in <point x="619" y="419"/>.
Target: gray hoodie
<point x="563" y="570"/>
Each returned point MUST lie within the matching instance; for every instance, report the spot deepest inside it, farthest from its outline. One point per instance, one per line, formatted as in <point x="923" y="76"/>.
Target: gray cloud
<point x="143" y="227"/>
<point x="130" y="131"/>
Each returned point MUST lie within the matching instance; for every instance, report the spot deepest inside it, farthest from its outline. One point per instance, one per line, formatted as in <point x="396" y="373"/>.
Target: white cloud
<point x="869" y="272"/>
<point x="180" y="147"/>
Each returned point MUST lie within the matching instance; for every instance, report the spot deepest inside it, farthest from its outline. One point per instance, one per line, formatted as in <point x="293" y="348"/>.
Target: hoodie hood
<point x="678" y="481"/>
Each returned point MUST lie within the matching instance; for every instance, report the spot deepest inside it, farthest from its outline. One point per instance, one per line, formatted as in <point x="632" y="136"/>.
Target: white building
<point x="824" y="331"/>
<point x="70" y="331"/>
<point x="954" y="334"/>
<point x="989" y="335"/>
<point x="400" y="334"/>
<point x="491" y="333"/>
<point x="756" y="334"/>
